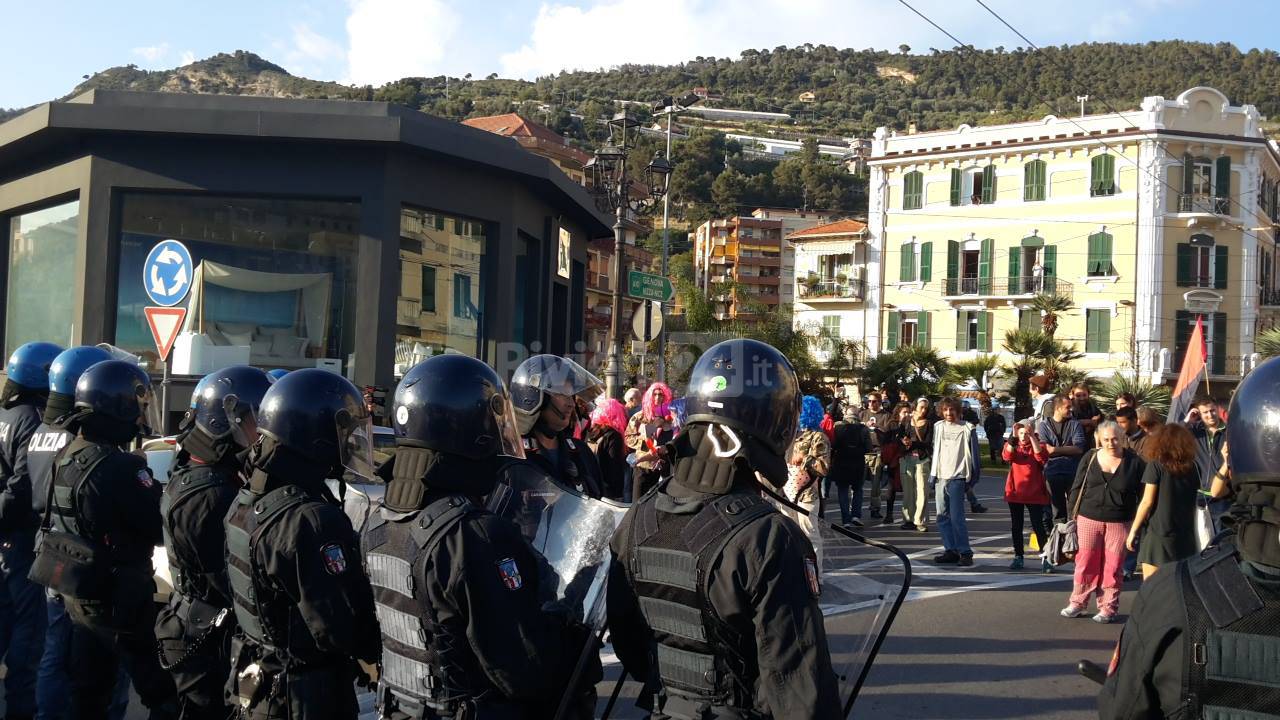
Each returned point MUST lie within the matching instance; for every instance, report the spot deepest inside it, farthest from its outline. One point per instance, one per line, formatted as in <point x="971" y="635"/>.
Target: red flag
<point x="1193" y="365"/>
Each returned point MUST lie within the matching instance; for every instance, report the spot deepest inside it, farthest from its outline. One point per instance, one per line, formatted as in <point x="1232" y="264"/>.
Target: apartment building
<point x="837" y="273"/>
<point x="793" y="220"/>
<point x="744" y="251"/>
<point x="1146" y="219"/>
<point x="537" y="139"/>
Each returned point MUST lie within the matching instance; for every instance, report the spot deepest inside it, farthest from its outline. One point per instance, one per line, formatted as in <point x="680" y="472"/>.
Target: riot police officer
<point x="22" y="617"/>
<point x="544" y="391"/>
<point x="195" y="628"/>
<point x="712" y="574"/>
<point x="102" y="521"/>
<point x="298" y="587"/>
<point x="1199" y="631"/>
<point x="58" y="429"/>
<point x="460" y="592"/>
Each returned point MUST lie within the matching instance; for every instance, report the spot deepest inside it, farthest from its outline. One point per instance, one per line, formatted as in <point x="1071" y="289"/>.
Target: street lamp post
<point x="670" y="108"/>
<point x="611" y="186"/>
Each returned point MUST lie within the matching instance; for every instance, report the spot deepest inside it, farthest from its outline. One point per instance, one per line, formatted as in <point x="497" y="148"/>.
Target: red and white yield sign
<point x="165" y="324"/>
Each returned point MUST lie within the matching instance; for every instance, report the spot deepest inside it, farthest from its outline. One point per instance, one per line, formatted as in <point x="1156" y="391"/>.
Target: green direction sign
<point x="644" y="286"/>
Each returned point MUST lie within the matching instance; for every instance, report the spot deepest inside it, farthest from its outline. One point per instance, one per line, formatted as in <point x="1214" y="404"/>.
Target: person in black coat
<point x="994" y="425"/>
<point x="852" y="442"/>
<point x="608" y="423"/>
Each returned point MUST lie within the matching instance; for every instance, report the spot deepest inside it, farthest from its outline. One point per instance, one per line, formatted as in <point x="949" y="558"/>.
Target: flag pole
<point x="1207" y="391"/>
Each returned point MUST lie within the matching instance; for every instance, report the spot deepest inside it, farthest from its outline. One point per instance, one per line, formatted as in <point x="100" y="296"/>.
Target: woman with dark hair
<point x="891" y="452"/>
<point x="1168" y="499"/>
<point x="917" y="443"/>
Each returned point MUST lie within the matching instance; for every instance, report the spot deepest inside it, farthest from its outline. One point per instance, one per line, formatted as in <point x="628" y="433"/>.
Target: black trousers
<point x="1037" y="524"/>
<point x="1058" y="488"/>
<point x="101" y="641"/>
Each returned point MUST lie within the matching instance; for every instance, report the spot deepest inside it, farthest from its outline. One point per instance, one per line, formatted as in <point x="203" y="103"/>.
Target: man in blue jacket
<point x="1064" y="440"/>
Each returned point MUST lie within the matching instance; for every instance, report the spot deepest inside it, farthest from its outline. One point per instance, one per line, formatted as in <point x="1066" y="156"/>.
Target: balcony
<point x="756" y="261"/>
<point x="1269" y="298"/>
<point x="408" y="311"/>
<point x="1005" y="287"/>
<point x="834" y="291"/>
<point x="758" y="279"/>
<point x="1207" y="204"/>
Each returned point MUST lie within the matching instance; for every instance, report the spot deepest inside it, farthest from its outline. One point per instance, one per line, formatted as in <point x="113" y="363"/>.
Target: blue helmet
<point x="70" y="364"/>
<point x="115" y="390"/>
<point x="222" y="398"/>
<point x="277" y="373"/>
<point x="29" y="365"/>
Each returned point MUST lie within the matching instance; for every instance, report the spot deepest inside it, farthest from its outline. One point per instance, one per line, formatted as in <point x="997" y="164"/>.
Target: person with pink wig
<point x="608" y="425"/>
<point x="648" y="430"/>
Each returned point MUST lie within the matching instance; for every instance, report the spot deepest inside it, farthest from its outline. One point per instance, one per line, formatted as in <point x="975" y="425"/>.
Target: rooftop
<point x="839" y="228"/>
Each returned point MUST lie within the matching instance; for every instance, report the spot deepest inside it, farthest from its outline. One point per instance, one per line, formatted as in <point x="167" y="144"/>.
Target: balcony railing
<point x="1196" y="203"/>
<point x="1021" y="286"/>
<point x="1269" y="297"/>
<point x="759" y="261"/>
<point x="834" y="290"/>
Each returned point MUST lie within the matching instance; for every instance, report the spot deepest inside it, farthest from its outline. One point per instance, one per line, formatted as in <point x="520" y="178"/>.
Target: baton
<point x="570" y="691"/>
<point x="613" y="697"/>
<point x="1092" y="671"/>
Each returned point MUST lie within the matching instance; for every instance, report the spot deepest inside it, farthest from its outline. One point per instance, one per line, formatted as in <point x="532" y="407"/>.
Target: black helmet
<point x="116" y="392"/>
<point x="541" y="375"/>
<point x="455" y="404"/>
<point x="222" y="398"/>
<point x="321" y="416"/>
<point x="750" y="387"/>
<point x="1253" y="434"/>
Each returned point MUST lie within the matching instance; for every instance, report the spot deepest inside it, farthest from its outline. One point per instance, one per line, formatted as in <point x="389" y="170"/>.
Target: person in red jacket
<point x="1026" y="488"/>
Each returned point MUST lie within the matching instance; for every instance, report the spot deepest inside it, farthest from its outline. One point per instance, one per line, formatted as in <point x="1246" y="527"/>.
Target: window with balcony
<point x="912" y="191"/>
<point x="906" y="328"/>
<point x="1033" y="181"/>
<point x="973" y="331"/>
<point x="1215" y="339"/>
<point x="1099" y="258"/>
<point x="1033" y="267"/>
<point x="1102" y="176"/>
<point x="1202" y="264"/>
<point x="1097" y="334"/>
<point x="969" y="267"/>
<point x="1206" y="185"/>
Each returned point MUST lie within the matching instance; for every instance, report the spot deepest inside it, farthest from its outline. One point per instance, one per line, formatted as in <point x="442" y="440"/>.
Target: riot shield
<point x="571" y="531"/>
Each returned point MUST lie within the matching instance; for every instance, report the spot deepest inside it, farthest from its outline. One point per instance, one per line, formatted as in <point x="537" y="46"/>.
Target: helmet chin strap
<point x="719" y="451"/>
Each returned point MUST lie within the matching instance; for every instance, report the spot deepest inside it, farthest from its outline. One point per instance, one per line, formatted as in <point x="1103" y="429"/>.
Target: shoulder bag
<point x="1064" y="542"/>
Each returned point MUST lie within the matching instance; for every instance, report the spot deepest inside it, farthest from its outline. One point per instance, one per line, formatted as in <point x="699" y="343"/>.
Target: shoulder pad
<point x="1222" y="586"/>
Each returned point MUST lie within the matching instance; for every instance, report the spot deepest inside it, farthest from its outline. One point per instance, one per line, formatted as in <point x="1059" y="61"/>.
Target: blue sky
<point x="48" y="46"/>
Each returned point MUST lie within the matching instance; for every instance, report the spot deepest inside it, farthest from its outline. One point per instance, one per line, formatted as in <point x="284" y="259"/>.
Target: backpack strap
<point x="1221" y="585"/>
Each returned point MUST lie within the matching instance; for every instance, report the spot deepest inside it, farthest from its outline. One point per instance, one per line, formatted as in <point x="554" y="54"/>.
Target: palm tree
<point x="1156" y="397"/>
<point x="914" y="368"/>
<point x="980" y="371"/>
<point x="1036" y="351"/>
<point x="1268" y="343"/>
<point x="1050" y="307"/>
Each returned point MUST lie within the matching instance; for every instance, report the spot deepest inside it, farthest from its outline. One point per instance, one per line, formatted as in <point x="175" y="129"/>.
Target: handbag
<point x="1064" y="541"/>
<point x="68" y="564"/>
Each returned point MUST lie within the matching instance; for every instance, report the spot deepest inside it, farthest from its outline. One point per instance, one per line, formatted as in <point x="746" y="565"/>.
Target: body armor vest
<point x="71" y="471"/>
<point x="702" y="662"/>
<point x="249" y="517"/>
<point x="1232" y="641"/>
<point x="184" y="484"/>
<point x="42" y="450"/>
<point x="420" y="657"/>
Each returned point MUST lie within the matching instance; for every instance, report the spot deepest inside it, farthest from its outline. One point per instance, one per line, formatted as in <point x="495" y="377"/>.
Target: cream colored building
<point x="1146" y="219"/>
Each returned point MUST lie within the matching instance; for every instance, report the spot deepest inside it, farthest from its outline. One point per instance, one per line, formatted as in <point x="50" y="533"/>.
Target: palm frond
<point x="1267" y="343"/>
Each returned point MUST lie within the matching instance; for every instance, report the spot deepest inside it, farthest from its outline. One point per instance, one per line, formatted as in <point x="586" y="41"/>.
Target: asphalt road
<point x="982" y="643"/>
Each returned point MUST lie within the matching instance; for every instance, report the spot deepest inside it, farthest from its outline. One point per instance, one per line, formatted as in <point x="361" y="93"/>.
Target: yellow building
<point x="1145" y="219"/>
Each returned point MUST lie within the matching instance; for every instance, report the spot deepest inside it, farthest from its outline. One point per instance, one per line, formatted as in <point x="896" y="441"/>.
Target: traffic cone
<point x="1035" y="542"/>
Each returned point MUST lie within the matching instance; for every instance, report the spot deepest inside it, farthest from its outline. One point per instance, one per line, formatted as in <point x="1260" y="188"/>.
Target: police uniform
<point x="713" y="595"/>
<point x="109" y="498"/>
<point x="195" y="628"/>
<point x="572" y="465"/>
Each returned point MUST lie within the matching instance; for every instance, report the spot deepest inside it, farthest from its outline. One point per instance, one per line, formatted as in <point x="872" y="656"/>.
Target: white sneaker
<point x="1104" y="619"/>
<point x="1072" y="611"/>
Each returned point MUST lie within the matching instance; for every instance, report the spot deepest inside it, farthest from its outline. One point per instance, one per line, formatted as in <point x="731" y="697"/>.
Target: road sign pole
<point x="164" y="400"/>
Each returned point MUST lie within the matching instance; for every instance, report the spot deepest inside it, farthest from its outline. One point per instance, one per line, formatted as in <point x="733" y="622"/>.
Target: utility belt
<point x="188" y="627"/>
<point x="266" y="679"/>
<point x="682" y="707"/>
<point x="488" y="706"/>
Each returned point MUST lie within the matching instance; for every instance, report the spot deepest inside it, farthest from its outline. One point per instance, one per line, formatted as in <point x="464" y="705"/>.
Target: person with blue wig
<point x="807" y="464"/>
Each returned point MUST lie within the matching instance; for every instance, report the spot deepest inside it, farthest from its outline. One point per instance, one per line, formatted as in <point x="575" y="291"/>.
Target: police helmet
<point x="277" y="373"/>
<point x="1253" y="435"/>
<point x="29" y="365"/>
<point x="117" y="391"/>
<point x="319" y="415"/>
<point x="455" y="404"/>
<point x="222" y="399"/>
<point x="541" y="375"/>
<point x="64" y="373"/>
<point x="748" y="386"/>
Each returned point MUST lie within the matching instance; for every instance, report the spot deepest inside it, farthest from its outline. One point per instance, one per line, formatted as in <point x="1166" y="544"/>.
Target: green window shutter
<point x="1184" y="321"/>
<point x="922" y="328"/>
<point x="1090" y="330"/>
<point x="1097" y="337"/>
<point x="1221" y="262"/>
<point x="984" y="266"/>
<point x="1104" y="250"/>
<point x="1091" y="266"/>
<point x="891" y="330"/>
<point x="926" y="262"/>
<point x="1015" y="270"/>
<point x="1029" y="320"/>
<point x="953" y="267"/>
<point x="962" y="331"/>
<point x="912" y="188"/>
<point x="1095" y="175"/>
<point x="1218" y="352"/>
<point x="984" y="331"/>
<point x="988" y="184"/>
<point x="1186" y="258"/>
<point x="1033" y="185"/>
<point x="956" y="182"/>
<point x="1042" y="182"/>
<point x="1187" y="173"/>
<point x="1222" y="177"/>
<point x="1108" y="175"/>
<point x="1050" y="263"/>
<point x="907" y="265"/>
<point x="1104" y="331"/>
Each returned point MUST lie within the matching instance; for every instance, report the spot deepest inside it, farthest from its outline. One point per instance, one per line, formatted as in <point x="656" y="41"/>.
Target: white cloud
<point x="152" y="53"/>
<point x="188" y="57"/>
<point x="1110" y="25"/>
<point x="392" y="39"/>
<point x="311" y="45"/>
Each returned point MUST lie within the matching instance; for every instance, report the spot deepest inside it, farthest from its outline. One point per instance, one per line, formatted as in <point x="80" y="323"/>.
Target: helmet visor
<point x="355" y="445"/>
<point x="504" y="416"/>
<point x="237" y="413"/>
<point x="561" y="376"/>
<point x="150" y="414"/>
